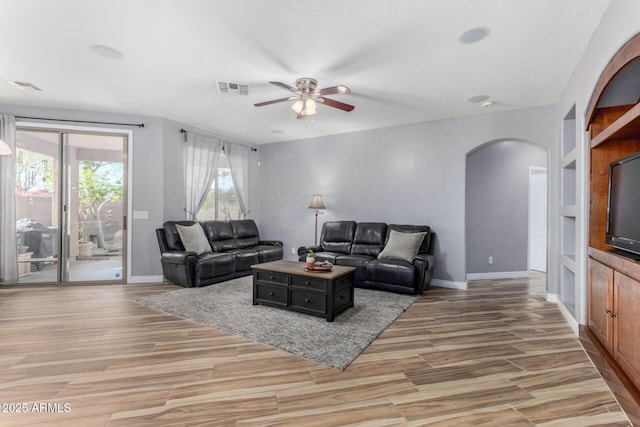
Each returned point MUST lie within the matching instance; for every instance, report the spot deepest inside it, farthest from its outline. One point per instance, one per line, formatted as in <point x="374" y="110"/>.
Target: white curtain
<point x="238" y="157"/>
<point x="8" y="248"/>
<point x="201" y="167"/>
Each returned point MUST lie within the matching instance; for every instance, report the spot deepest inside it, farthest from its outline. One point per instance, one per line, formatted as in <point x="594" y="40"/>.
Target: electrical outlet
<point x="293" y="251"/>
<point x="490" y="260"/>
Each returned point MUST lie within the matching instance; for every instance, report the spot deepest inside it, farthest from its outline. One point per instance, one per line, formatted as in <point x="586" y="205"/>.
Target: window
<point x="221" y="202"/>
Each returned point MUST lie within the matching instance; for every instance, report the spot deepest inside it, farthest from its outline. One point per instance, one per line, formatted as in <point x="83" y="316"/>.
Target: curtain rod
<point x="248" y="146"/>
<point x="140" y="125"/>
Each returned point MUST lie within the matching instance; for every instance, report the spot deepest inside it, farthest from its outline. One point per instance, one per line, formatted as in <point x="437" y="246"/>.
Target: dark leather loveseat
<point x="235" y="247"/>
<point x="360" y="244"/>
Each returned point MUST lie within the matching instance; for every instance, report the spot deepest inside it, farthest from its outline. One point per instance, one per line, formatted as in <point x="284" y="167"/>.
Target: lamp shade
<point x="316" y="202"/>
<point x="6" y="151"/>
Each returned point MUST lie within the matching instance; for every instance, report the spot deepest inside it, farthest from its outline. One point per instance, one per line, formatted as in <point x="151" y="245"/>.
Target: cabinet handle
<point x="307" y="283"/>
<point x="270" y="294"/>
<point x="271" y="277"/>
<point x="307" y="300"/>
<point x="613" y="315"/>
<point x="609" y="311"/>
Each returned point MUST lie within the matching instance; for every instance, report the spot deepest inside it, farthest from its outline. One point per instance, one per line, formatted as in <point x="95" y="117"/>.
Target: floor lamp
<point x="317" y="204"/>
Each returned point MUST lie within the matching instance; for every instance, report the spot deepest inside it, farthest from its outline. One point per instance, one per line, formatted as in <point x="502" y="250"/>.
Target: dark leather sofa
<point x="359" y="244"/>
<point x="235" y="246"/>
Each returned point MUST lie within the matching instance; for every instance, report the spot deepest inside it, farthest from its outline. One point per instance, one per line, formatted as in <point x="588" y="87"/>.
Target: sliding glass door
<point x="70" y="206"/>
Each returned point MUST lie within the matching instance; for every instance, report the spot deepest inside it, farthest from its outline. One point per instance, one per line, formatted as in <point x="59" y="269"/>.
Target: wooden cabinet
<point x="626" y="325"/>
<point x="601" y="302"/>
<point x="614" y="304"/>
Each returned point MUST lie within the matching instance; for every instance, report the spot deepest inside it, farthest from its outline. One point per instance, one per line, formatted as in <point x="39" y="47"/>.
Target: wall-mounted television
<point x="623" y="212"/>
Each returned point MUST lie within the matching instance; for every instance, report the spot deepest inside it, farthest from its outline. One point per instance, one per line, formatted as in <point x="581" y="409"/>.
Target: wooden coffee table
<point x="286" y="284"/>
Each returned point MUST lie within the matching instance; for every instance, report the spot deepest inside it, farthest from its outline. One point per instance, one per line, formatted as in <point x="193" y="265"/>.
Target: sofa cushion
<point x="337" y="236"/>
<point x="369" y="238"/>
<point x="214" y="265"/>
<point x="245" y="231"/>
<point x="402" y="246"/>
<point x="171" y="234"/>
<point x="353" y="260"/>
<point x="269" y="252"/>
<point x="220" y="235"/>
<point x="193" y="238"/>
<point x="425" y="248"/>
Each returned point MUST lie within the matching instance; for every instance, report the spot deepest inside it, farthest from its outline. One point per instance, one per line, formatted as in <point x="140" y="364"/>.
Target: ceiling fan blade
<point x="333" y="90"/>
<point x="285" y="86"/>
<point x="333" y="103"/>
<point x="275" y="101"/>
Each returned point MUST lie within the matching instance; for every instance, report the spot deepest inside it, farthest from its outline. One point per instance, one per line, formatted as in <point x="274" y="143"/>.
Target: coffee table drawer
<point x="309" y="282"/>
<point x="272" y="276"/>
<point x="315" y="302"/>
<point x="272" y="294"/>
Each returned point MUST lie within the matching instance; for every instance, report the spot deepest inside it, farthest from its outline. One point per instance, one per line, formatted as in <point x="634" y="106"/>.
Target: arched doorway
<point x="499" y="176"/>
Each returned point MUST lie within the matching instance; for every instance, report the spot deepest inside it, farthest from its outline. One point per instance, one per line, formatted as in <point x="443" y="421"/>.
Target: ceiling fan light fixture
<point x="310" y="107"/>
<point x="297" y="106"/>
<point x="304" y="108"/>
<point x="306" y="97"/>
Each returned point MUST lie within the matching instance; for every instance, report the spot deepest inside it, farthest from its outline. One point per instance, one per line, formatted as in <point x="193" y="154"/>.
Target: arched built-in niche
<point x="497" y="206"/>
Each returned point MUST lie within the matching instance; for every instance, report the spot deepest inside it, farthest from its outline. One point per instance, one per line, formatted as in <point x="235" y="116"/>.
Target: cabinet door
<point x="626" y="326"/>
<point x="601" y="302"/>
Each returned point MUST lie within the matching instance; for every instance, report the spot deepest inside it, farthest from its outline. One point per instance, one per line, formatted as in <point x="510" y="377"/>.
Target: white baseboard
<point x="573" y="323"/>
<point x="551" y="297"/>
<point x="498" y="275"/>
<point x="449" y="284"/>
<point x="146" y="279"/>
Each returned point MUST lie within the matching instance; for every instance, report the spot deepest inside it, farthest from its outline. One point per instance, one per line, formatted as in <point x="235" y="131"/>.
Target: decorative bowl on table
<point x="319" y="267"/>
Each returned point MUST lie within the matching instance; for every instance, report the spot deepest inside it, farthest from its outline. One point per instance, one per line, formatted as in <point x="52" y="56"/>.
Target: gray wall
<point x="412" y="174"/>
<point x="497" y="205"/>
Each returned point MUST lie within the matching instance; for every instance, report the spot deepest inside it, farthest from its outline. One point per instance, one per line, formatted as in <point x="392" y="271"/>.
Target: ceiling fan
<point x="306" y="96"/>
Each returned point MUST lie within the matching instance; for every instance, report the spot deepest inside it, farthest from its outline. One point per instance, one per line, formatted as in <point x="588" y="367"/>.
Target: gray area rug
<point x="227" y="306"/>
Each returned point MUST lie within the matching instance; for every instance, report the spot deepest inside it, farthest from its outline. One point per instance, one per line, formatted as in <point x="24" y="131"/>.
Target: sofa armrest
<point x="303" y="250"/>
<point x="425" y="263"/>
<point x="277" y="243"/>
<point x="425" y="259"/>
<point x="178" y="257"/>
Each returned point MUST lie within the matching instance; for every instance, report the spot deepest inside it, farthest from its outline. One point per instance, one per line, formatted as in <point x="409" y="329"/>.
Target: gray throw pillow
<point x="402" y="246"/>
<point x="193" y="238"/>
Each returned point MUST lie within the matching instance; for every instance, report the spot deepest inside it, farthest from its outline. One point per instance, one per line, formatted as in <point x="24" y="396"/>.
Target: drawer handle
<point x="271" y="277"/>
<point x="307" y="300"/>
<point x="270" y="294"/>
<point x="307" y="283"/>
<point x="341" y="296"/>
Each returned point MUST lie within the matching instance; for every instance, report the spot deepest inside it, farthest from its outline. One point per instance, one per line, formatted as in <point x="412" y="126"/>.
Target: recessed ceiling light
<point x="474" y="35"/>
<point x="477" y="98"/>
<point x="105" y="51"/>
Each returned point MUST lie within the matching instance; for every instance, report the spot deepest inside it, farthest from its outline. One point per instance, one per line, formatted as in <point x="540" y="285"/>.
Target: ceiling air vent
<point x="234" y="88"/>
<point x="24" y="85"/>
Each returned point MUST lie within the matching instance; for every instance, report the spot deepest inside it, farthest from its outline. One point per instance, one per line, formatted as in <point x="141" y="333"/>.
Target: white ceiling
<point x="402" y="59"/>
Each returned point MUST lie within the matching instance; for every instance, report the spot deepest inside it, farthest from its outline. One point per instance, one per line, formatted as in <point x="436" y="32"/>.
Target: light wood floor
<point x="494" y="355"/>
